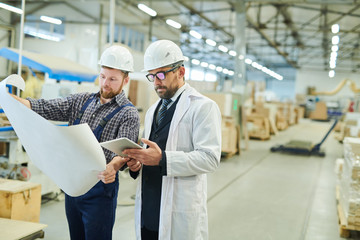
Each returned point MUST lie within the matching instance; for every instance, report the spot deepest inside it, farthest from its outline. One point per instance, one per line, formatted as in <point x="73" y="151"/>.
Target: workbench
<point x="20" y="230"/>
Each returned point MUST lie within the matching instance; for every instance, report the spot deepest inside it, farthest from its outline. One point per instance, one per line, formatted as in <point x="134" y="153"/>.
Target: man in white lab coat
<point x="183" y="139"/>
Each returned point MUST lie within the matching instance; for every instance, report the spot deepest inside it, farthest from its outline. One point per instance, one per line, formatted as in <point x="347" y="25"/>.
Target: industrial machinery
<point x="14" y="161"/>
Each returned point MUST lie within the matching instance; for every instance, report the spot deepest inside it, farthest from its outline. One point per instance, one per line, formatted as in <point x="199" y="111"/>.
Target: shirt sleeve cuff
<point x="163" y="164"/>
<point x="134" y="175"/>
<point x="33" y="103"/>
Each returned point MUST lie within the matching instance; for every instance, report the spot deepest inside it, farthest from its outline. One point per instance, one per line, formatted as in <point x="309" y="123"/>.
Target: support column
<point x="21" y="38"/>
<point x="239" y="82"/>
<point x="112" y="22"/>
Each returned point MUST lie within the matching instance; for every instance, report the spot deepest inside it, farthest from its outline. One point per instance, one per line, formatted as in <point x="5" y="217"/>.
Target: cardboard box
<point x="20" y="200"/>
<point x="258" y="126"/>
<point x="320" y="112"/>
<point x="229" y="136"/>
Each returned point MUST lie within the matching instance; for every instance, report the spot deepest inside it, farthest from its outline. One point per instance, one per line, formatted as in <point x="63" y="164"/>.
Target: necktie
<point x="163" y="108"/>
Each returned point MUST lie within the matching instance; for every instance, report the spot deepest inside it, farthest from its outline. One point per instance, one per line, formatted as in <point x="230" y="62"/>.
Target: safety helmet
<point x="117" y="57"/>
<point x="162" y="53"/>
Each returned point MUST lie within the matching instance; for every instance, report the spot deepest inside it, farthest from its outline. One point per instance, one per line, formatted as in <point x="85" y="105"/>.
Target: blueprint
<point x="71" y="156"/>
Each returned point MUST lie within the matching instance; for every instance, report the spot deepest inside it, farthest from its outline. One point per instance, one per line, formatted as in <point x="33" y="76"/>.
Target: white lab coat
<point x="193" y="149"/>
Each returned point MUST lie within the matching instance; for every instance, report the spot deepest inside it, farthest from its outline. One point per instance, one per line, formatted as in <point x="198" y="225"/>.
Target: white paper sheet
<point x="71" y="156"/>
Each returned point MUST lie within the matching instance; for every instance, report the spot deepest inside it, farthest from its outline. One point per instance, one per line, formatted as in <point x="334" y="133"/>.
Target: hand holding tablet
<point x="120" y="144"/>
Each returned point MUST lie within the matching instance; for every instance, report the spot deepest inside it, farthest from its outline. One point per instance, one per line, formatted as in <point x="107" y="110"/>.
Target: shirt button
<point x="156" y="136"/>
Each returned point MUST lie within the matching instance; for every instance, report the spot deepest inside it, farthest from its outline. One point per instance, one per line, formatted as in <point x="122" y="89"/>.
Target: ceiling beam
<point x="271" y="43"/>
<point x="214" y="25"/>
<point x="342" y="2"/>
<point x="95" y="20"/>
<point x="283" y="10"/>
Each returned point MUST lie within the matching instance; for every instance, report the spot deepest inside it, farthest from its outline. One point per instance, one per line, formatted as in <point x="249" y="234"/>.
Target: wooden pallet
<point x="228" y="154"/>
<point x="344" y="228"/>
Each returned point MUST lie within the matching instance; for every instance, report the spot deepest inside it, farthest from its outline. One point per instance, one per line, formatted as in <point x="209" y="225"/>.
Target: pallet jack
<point x="299" y="147"/>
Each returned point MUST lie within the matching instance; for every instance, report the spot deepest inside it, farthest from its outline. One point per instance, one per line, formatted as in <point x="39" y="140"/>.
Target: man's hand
<point x="23" y="101"/>
<point x="134" y="165"/>
<point x="150" y="156"/>
<point x="109" y="174"/>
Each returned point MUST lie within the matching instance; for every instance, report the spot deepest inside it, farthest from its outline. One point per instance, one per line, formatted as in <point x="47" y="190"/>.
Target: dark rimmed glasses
<point x="160" y="75"/>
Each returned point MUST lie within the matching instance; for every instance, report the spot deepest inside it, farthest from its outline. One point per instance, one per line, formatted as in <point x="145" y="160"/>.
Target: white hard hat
<point x="162" y="53"/>
<point x="117" y="57"/>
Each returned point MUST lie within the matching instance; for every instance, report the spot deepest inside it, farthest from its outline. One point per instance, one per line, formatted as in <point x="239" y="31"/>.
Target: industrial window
<point x="128" y="36"/>
<point x="35" y="28"/>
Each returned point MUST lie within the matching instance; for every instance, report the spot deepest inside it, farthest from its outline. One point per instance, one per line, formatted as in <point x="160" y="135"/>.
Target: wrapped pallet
<point x="349" y="184"/>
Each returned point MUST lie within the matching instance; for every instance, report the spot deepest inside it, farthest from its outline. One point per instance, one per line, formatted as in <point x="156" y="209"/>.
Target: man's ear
<point x="126" y="80"/>
<point x="182" y="72"/>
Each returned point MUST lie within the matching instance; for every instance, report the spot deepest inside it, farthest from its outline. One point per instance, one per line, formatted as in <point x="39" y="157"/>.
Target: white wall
<point x="322" y="82"/>
<point x="81" y="40"/>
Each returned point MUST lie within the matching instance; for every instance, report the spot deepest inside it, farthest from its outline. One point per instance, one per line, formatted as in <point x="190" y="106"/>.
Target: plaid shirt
<point x="124" y="124"/>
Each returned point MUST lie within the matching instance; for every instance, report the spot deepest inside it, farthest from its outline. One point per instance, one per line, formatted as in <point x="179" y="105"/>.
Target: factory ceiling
<point x="279" y="34"/>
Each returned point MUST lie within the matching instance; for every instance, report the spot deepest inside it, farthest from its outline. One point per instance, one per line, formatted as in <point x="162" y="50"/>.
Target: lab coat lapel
<point x="181" y="108"/>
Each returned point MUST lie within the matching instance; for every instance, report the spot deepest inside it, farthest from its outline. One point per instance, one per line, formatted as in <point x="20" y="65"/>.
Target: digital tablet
<point x="120" y="144"/>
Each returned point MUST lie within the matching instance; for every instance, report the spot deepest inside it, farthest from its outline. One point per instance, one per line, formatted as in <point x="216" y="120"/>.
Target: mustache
<point x="160" y="87"/>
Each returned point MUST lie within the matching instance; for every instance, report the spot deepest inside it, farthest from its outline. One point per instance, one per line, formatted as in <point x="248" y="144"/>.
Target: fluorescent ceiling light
<point x="219" y="69"/>
<point x="225" y="71"/>
<point x="335" y="48"/>
<point x="332" y="61"/>
<point x="173" y="23"/>
<point x="210" y="42"/>
<point x="51" y="20"/>
<point x="331" y="73"/>
<point x="335" y="40"/>
<point x="204" y="64"/>
<point x="265" y="70"/>
<point x="248" y="61"/>
<point x="195" y="34"/>
<point x="333" y="55"/>
<point x="147" y="10"/>
<point x="335" y="28"/>
<point x="223" y="48"/>
<point x="241" y="57"/>
<point x="195" y="61"/>
<point x="11" y="8"/>
<point x="256" y="65"/>
<point x="212" y="66"/>
<point x="231" y="73"/>
<point x="232" y="53"/>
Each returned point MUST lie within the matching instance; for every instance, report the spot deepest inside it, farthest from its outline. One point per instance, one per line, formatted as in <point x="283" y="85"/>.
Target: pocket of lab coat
<point x="184" y="142"/>
<point x="187" y="196"/>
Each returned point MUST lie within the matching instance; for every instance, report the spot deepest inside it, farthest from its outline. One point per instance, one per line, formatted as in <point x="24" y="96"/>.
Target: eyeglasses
<point x="160" y="75"/>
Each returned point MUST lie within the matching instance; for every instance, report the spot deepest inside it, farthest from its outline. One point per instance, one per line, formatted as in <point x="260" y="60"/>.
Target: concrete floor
<point x="254" y="195"/>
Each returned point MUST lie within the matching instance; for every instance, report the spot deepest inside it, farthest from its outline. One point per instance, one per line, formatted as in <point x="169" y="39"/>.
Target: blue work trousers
<point x="92" y="215"/>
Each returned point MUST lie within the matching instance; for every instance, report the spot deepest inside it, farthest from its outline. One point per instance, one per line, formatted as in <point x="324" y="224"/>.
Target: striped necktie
<point x="162" y="111"/>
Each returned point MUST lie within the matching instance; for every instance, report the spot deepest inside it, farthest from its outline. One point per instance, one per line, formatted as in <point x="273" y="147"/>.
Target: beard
<point x="109" y="95"/>
<point x="169" y="93"/>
